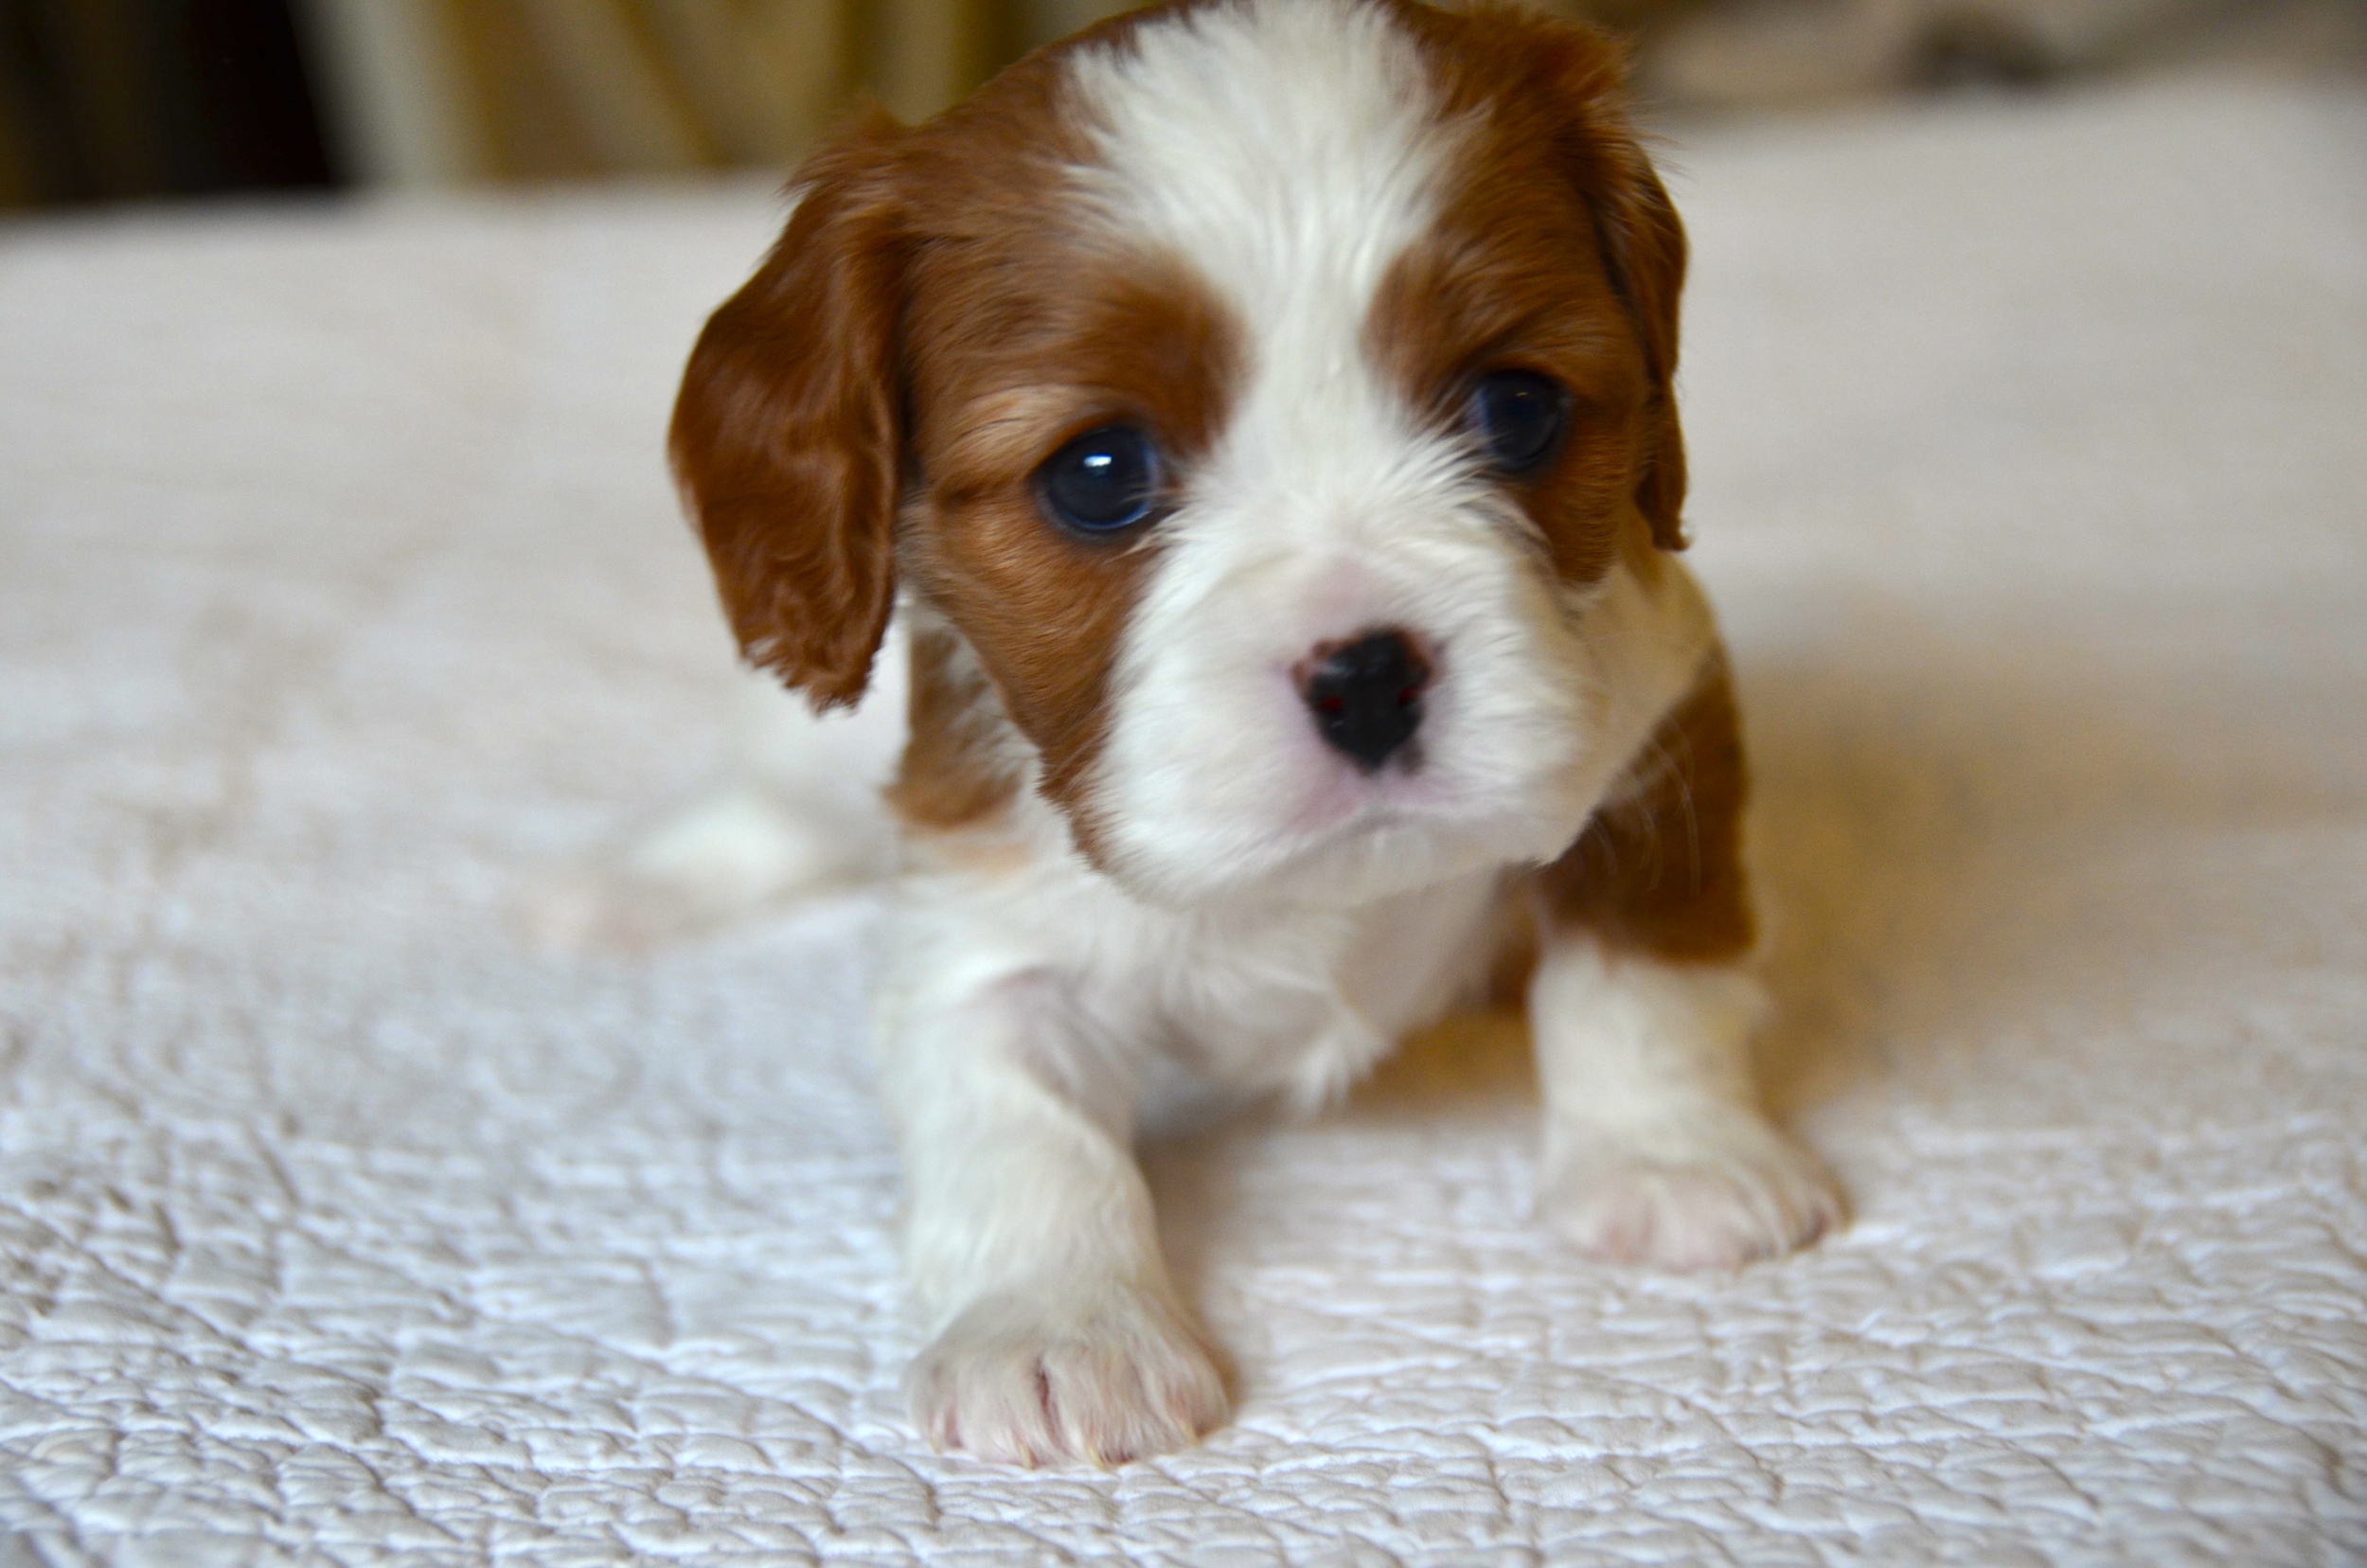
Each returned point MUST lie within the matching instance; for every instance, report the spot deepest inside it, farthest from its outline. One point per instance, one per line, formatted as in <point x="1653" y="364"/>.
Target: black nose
<point x="1366" y="695"/>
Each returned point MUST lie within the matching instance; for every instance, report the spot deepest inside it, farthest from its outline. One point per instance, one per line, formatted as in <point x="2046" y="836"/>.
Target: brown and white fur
<point x="1283" y="237"/>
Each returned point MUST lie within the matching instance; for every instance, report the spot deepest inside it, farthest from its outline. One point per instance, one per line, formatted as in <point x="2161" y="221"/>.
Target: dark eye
<point x="1103" y="481"/>
<point x="1518" y="416"/>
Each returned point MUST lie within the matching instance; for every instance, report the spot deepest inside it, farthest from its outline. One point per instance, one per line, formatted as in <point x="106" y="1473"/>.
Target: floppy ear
<point x="1644" y="249"/>
<point x="786" y="441"/>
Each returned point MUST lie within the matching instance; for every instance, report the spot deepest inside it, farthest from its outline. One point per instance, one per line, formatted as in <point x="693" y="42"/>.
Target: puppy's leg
<point x="1656" y="1151"/>
<point x="794" y="808"/>
<point x="1056" y="1335"/>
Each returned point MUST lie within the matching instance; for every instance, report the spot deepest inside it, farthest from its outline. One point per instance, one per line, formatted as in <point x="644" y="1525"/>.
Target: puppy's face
<point x="1260" y="397"/>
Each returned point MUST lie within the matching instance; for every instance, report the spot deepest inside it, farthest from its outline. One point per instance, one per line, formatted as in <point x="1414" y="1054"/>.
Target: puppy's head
<point x="1256" y="399"/>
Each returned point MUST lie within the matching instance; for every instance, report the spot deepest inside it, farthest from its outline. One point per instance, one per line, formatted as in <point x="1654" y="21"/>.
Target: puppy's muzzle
<point x="1366" y="695"/>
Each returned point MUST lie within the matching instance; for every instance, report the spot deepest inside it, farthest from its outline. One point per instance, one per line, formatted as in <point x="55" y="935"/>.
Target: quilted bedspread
<point x="341" y="589"/>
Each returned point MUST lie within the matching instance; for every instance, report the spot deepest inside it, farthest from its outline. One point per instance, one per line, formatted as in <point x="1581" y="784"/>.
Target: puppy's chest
<point x="1306" y="1007"/>
<point x="1298" y="1001"/>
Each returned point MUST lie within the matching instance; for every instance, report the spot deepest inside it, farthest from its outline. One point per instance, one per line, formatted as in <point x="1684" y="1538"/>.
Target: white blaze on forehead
<point x="1290" y="153"/>
<point x="1287" y="150"/>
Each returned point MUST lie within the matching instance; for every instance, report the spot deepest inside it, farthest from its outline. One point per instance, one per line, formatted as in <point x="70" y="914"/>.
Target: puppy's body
<point x="1378" y="671"/>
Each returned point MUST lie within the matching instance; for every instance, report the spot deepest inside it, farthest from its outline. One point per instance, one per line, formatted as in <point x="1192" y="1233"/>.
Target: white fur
<point x="1274" y="918"/>
<point x="1022" y="1006"/>
<point x="1655" y="1150"/>
<point x="794" y="808"/>
<point x="1289" y="154"/>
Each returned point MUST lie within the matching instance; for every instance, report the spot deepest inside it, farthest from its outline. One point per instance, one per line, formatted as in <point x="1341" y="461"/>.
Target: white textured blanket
<point x="339" y="582"/>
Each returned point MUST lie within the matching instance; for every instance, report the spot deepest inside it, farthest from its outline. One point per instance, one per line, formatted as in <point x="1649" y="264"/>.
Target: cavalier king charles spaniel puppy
<point x="1255" y="418"/>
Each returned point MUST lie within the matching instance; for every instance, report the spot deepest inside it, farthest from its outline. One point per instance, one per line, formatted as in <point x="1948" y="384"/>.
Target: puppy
<point x="1258" y="415"/>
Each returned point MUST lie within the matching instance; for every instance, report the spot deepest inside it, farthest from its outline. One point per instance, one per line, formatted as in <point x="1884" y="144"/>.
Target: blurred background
<point x="112" y="99"/>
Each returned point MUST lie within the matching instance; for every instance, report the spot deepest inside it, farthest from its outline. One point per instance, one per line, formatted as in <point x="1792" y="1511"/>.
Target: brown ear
<point x="1644" y="248"/>
<point x="786" y="439"/>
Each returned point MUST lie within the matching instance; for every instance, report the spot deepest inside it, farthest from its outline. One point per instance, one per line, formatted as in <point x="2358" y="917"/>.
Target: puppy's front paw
<point x="1715" y="1191"/>
<point x="1012" y="1380"/>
